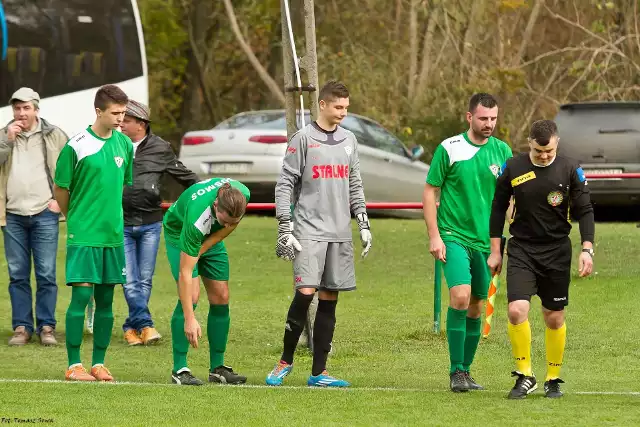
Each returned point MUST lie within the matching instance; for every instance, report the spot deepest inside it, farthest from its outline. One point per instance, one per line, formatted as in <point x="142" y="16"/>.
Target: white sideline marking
<point x="293" y="387"/>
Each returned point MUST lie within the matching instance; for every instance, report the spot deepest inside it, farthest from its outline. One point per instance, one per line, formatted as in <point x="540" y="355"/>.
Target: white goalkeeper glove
<point x="287" y="245"/>
<point x="365" y="233"/>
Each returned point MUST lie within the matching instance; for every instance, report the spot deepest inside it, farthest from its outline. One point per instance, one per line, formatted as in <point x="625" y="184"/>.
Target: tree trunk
<point x="198" y="23"/>
<point x="413" y="46"/>
<point x="427" y="59"/>
<point x="528" y="32"/>
<point x="262" y="72"/>
<point x="470" y="38"/>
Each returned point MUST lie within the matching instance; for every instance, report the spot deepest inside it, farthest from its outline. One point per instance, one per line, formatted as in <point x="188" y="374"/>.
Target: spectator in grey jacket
<point x="29" y="216"/>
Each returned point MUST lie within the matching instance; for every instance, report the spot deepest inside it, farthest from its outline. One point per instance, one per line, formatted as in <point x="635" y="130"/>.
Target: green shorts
<point x="466" y="266"/>
<point x="213" y="264"/>
<point x="99" y="266"/>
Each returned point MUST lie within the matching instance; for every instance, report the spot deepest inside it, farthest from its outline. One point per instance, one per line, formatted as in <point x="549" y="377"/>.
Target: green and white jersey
<point x="466" y="174"/>
<point x="191" y="219"/>
<point x="94" y="170"/>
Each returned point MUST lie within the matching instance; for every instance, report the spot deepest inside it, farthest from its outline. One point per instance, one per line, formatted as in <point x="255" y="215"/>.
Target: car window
<point x="272" y="120"/>
<point x="357" y="126"/>
<point x="384" y="140"/>
<point x="354" y="125"/>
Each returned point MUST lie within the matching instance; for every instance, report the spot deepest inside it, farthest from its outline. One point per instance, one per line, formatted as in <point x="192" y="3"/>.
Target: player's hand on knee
<point x="438" y="249"/>
<point x="287" y="244"/>
<point x="585" y="264"/>
<point x="192" y="331"/>
<point x="365" y="233"/>
<point x="495" y="263"/>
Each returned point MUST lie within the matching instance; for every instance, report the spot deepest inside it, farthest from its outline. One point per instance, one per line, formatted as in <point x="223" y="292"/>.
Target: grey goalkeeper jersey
<point x="320" y="177"/>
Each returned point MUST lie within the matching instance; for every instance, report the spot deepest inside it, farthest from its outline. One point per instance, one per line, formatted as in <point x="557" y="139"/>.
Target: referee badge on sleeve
<point x="581" y="175"/>
<point x="555" y="198"/>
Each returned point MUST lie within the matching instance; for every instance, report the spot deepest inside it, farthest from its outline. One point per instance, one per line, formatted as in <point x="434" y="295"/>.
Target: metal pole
<point x="289" y="75"/>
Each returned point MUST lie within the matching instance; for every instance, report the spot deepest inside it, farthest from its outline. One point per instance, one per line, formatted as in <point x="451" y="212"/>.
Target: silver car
<point x="605" y="138"/>
<point x="250" y="147"/>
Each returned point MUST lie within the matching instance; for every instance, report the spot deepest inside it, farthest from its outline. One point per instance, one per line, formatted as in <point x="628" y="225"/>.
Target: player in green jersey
<point x="194" y="227"/>
<point x="465" y="168"/>
<point x="91" y="171"/>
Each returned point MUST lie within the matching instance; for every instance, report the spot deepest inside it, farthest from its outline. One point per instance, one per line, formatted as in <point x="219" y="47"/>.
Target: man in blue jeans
<point x="143" y="215"/>
<point x="29" y="149"/>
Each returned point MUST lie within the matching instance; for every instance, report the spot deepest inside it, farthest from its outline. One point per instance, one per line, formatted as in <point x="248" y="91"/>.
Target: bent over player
<point x="91" y="172"/>
<point x="194" y="227"/>
<point x="321" y="178"/>
<point x="465" y="168"/>
<point x="546" y="188"/>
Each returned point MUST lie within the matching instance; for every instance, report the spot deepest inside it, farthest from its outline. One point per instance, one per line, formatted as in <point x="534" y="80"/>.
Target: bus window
<point x="62" y="46"/>
<point x="103" y="45"/>
<point x="32" y="47"/>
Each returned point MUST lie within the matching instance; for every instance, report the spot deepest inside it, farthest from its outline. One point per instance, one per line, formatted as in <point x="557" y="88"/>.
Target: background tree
<point x="410" y="64"/>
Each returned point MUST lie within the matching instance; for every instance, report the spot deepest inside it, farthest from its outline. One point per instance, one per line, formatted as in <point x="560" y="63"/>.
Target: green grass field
<point x="383" y="340"/>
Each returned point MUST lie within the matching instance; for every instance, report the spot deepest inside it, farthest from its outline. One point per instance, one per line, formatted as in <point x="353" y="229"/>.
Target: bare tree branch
<point x="262" y="72"/>
<point x="528" y="32"/>
<point x="635" y="23"/>
<point x="449" y="33"/>
<point x="413" y="46"/>
<point x="398" y="20"/>
<point x="200" y="66"/>
<point x="427" y="60"/>
<point x="500" y="39"/>
<point x="625" y="88"/>
<point x="534" y="106"/>
<point x="443" y="46"/>
<point x="583" y="75"/>
<point x="561" y="51"/>
<point x="470" y="34"/>
<point x="594" y="36"/>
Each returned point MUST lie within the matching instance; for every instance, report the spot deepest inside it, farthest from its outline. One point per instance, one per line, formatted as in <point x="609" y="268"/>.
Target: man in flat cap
<point x="29" y="216"/>
<point x="153" y="157"/>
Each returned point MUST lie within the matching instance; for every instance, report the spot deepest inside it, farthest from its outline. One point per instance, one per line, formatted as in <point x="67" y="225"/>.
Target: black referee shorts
<point x="539" y="269"/>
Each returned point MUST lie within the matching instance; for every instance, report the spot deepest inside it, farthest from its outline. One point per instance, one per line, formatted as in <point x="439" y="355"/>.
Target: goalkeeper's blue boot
<point x="276" y="376"/>
<point x="326" y="380"/>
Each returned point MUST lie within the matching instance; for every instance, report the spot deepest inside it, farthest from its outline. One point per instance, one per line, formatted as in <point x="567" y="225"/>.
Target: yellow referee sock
<point x="520" y="336"/>
<point x="555" y="340"/>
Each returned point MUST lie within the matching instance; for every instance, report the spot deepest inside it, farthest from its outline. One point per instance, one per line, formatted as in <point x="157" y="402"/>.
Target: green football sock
<point x="217" y="333"/>
<point x="456" y="331"/>
<point x="74" y="321"/>
<point x="471" y="341"/>
<point x="179" y="340"/>
<point x="102" y="322"/>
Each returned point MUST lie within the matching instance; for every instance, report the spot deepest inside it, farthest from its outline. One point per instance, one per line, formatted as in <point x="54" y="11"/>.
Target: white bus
<point x="65" y="50"/>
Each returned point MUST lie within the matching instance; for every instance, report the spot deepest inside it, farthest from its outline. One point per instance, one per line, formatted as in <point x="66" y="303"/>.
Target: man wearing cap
<point x="29" y="216"/>
<point x="153" y="157"/>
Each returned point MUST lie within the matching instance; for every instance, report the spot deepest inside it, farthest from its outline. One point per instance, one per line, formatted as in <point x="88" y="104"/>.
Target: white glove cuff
<point x="363" y="221"/>
<point x="285" y="227"/>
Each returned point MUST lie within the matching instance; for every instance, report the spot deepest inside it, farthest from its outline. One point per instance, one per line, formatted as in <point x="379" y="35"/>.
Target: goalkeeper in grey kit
<point x="321" y="177"/>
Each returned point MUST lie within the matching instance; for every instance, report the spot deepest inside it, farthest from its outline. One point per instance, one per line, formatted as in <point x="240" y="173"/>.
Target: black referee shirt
<point x="544" y="198"/>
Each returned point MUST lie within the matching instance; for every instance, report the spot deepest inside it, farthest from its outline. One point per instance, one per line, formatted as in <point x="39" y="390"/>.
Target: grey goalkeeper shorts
<point x="325" y="265"/>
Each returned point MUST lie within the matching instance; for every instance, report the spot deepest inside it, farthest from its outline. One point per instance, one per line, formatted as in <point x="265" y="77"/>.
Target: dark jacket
<point x="153" y="158"/>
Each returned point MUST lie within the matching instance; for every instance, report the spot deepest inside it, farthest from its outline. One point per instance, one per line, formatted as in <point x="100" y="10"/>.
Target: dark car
<point x="605" y="138"/>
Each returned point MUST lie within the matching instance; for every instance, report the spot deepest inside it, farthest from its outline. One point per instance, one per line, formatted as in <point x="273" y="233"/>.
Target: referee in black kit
<point x="545" y="188"/>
